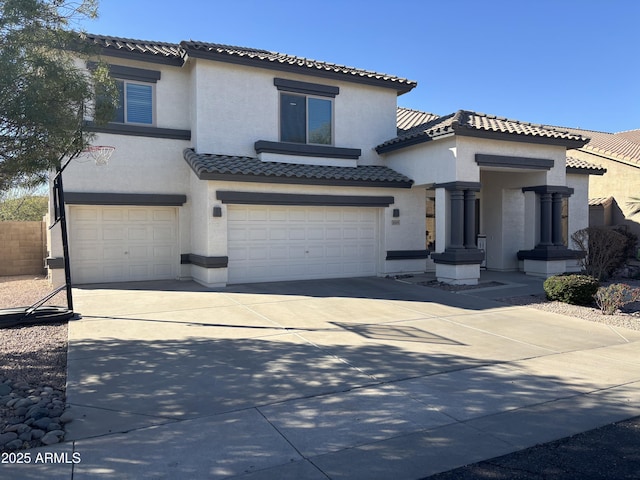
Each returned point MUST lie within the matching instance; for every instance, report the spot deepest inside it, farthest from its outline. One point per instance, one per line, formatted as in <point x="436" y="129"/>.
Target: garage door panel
<point x="88" y="234"/>
<point x="303" y="242"/>
<point x="110" y="233"/>
<point x="164" y="234"/>
<point x="138" y="215"/>
<point x="140" y="234"/>
<point x="112" y="215"/>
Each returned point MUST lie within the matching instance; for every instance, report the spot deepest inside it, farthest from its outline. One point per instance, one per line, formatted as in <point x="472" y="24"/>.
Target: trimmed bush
<point x="574" y="289"/>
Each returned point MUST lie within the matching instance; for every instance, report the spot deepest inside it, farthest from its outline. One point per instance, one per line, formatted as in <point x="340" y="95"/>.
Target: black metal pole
<point x="65" y="240"/>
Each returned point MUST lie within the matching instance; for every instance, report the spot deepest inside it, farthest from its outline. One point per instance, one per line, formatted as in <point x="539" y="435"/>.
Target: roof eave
<point x="401" y="88"/>
<point x="586" y="171"/>
<point x="569" y="144"/>
<point x="141" y="56"/>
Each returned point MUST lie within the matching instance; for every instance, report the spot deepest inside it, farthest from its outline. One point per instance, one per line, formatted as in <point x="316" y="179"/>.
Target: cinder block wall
<point x="22" y="248"/>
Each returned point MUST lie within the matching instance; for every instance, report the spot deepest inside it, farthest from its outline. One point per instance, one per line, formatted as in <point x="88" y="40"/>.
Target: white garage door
<point x="271" y="243"/>
<point x="117" y="244"/>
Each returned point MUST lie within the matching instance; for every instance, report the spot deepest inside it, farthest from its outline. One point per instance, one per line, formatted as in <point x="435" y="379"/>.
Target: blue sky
<point x="560" y="62"/>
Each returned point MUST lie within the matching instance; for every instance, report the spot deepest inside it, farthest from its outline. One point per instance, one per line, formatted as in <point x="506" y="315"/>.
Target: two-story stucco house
<point x="237" y="165"/>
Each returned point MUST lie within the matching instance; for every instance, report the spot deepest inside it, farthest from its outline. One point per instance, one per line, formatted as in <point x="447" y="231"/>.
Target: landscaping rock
<point x="7" y="437"/>
<point x="52" y="437"/>
<point x="14" y="445"/>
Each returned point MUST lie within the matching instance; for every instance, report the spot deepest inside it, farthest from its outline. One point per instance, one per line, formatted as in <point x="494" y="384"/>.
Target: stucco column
<point x="556" y="222"/>
<point x="545" y="219"/>
<point x="469" y="219"/>
<point x="457" y="219"/>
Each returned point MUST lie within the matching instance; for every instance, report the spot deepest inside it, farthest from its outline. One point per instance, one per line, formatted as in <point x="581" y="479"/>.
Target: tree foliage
<point x="45" y="95"/>
<point x="24" y="209"/>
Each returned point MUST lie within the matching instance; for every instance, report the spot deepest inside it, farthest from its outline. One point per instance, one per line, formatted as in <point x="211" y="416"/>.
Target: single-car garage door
<point x="272" y="243"/>
<point x="118" y="243"/>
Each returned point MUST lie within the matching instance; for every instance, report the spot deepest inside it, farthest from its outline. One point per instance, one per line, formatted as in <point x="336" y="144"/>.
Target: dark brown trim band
<point x="54" y="263"/>
<point x="292" y="199"/>
<point x="301" y="180"/>
<point x="586" y="171"/>
<point x="203" y="261"/>
<point x="406" y="254"/>
<point x="567" y="191"/>
<point x="466" y="256"/>
<point x="513" y="162"/>
<point x="140" y="131"/>
<point x="306" y="88"/>
<point x="305" y="150"/>
<point x="130" y="73"/>
<point x="475" y="186"/>
<point x="134" y="199"/>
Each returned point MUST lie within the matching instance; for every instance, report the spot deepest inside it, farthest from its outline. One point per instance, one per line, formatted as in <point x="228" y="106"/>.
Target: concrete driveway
<point x="361" y="378"/>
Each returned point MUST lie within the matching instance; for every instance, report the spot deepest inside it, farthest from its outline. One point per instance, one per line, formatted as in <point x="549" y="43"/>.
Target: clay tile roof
<point x="623" y="146"/>
<point x="468" y="123"/>
<point x="129" y="46"/>
<point x="575" y="165"/>
<point x="277" y="60"/>
<point x="176" y="53"/>
<point x="249" y="169"/>
<point x="600" y="201"/>
<point x="408" y="118"/>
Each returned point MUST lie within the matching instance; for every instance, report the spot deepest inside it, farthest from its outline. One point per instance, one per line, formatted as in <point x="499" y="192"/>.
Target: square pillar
<point x="460" y="261"/>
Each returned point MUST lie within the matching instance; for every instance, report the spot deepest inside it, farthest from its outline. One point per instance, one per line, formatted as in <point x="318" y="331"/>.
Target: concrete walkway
<point x="366" y="378"/>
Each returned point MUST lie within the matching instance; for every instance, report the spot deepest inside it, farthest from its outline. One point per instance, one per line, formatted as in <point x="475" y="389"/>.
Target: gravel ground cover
<point x="33" y="370"/>
<point x="627" y="317"/>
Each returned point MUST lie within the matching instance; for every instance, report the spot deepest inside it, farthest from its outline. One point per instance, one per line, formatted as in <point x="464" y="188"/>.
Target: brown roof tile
<point x="129" y="46"/>
<point x="175" y="53"/>
<point x="600" y="201"/>
<point x="465" y="122"/>
<point x="229" y="167"/>
<point x="580" y="166"/>
<point x="623" y="146"/>
<point x="277" y="60"/>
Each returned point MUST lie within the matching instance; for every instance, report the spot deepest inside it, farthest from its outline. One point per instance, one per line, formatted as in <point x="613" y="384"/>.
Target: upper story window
<point x="306" y="112"/>
<point x="305" y="119"/>
<point x="136" y="94"/>
<point x="135" y="103"/>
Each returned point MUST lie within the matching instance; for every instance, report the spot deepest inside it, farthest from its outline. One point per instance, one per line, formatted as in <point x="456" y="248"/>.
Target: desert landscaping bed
<point x="33" y="370"/>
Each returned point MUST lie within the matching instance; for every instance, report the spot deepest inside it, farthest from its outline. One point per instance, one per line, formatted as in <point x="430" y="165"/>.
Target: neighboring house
<point x="613" y="193"/>
<point x="238" y="165"/>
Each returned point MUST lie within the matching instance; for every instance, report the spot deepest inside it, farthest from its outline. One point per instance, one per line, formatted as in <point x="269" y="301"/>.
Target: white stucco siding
<point x="138" y="165"/>
<point x="426" y="163"/>
<point x="578" y="204"/>
<point x="234" y="106"/>
<point x="468" y="147"/>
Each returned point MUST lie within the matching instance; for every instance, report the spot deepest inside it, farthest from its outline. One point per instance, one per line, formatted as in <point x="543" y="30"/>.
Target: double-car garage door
<point x="265" y="243"/>
<point x="271" y="243"/>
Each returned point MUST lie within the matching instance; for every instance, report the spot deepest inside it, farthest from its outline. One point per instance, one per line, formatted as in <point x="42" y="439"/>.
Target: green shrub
<point x="615" y="296"/>
<point x="575" y="289"/>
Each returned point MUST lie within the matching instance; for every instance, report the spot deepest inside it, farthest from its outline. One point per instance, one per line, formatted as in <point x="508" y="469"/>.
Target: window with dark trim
<point x="135" y="103"/>
<point x="306" y="119"/>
